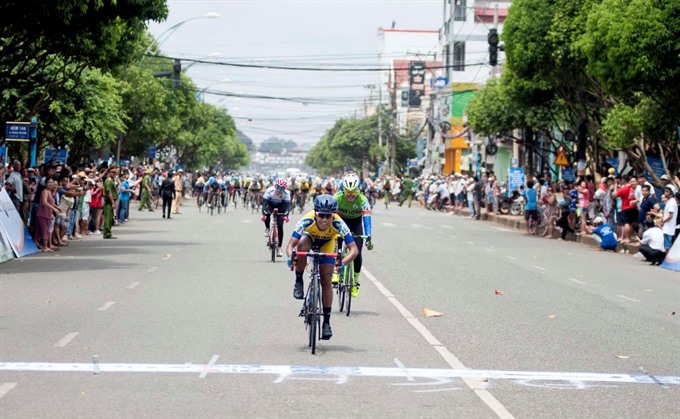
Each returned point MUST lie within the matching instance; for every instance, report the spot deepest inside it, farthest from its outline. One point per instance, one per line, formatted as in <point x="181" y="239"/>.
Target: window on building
<point x="459" y="10"/>
<point x="459" y="56"/>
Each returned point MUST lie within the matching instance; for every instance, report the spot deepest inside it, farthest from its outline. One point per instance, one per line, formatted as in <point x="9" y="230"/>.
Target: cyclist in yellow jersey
<point x="317" y="230"/>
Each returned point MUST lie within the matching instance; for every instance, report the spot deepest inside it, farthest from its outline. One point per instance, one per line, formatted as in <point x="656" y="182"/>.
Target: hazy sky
<point x="290" y="33"/>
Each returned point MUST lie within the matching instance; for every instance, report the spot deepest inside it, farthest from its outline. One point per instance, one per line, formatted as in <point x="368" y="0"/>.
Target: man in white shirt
<point x="670" y="213"/>
<point x="652" y="244"/>
<point x="17" y="181"/>
<point x="642" y="180"/>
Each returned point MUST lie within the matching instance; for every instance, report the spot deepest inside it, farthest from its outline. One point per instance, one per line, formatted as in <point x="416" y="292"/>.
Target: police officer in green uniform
<point x="145" y="189"/>
<point x="109" y="201"/>
<point x="406" y="190"/>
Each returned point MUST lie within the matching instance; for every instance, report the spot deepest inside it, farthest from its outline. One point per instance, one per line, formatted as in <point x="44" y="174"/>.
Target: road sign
<point x="17" y="131"/>
<point x="58" y="155"/>
<point x="561" y="159"/>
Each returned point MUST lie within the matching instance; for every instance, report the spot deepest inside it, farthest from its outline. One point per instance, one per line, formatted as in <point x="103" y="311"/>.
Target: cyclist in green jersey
<point x="355" y="211"/>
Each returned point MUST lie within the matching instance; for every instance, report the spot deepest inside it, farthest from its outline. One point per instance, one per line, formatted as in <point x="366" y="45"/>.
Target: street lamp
<point x="211" y="55"/>
<point x="168" y="32"/>
<point x="201" y="93"/>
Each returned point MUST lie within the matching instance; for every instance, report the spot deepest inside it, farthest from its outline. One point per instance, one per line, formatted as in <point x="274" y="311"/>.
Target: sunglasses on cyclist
<point x="279" y="188"/>
<point x="350" y="194"/>
<point x="324" y="215"/>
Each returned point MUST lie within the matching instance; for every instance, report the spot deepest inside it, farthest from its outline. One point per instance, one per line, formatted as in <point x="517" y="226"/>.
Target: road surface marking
<point x="437" y="374"/>
<point x="454" y="237"/>
<point x="470" y="243"/>
<point x="106" y="306"/>
<point x="437" y="390"/>
<point x="628" y="298"/>
<point x="65" y="340"/>
<point x="448" y="226"/>
<point x="403" y="367"/>
<point x="5" y="388"/>
<point x="417" y="226"/>
<point x="511" y="258"/>
<point x="210" y="364"/>
<point x="388" y="224"/>
<point x="577" y="281"/>
<point x="502" y="229"/>
<point x="133" y="285"/>
<point x="489" y="249"/>
<point x="247" y="221"/>
<point x="540" y="269"/>
<point x="168" y="256"/>
<point x="152" y="269"/>
<point x="473" y="383"/>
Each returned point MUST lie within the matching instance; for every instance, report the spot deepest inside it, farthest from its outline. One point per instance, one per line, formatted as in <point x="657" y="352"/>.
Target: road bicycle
<point x="200" y="200"/>
<point x="273" y="240"/>
<point x="346" y="283"/>
<point x="312" y="311"/>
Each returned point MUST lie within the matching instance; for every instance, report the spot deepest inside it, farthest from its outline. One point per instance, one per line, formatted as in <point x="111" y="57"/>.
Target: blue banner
<point x="516" y="179"/>
<point x="3" y="156"/>
<point x="569" y="175"/>
<point x="58" y="155"/>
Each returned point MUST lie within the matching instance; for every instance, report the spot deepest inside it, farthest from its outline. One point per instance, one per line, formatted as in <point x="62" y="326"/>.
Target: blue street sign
<point x="441" y="82"/>
<point x="58" y="155"/>
<point x="152" y="152"/>
<point x="17" y="131"/>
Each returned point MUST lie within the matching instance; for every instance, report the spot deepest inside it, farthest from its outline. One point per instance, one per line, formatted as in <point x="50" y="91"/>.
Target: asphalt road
<point x="188" y="318"/>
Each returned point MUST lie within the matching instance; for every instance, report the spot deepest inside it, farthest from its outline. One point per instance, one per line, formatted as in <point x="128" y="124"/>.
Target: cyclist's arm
<point x="366" y="218"/>
<point x="353" y="253"/>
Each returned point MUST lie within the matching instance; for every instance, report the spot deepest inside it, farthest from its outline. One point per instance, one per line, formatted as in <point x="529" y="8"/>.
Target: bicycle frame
<point x="347" y="280"/>
<point x="312" y="308"/>
<point x="274" y="233"/>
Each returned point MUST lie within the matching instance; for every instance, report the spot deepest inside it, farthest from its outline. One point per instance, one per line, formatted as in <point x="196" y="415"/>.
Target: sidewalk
<point x="518" y="223"/>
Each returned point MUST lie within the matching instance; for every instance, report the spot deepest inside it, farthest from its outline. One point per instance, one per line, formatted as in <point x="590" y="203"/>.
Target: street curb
<point x="518" y="223"/>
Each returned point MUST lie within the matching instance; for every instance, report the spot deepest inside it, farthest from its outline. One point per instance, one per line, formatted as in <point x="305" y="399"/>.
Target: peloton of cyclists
<point x="317" y="230"/>
<point x="355" y="211"/>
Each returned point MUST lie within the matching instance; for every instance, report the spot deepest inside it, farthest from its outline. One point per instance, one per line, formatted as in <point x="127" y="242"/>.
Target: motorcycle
<point x="506" y="202"/>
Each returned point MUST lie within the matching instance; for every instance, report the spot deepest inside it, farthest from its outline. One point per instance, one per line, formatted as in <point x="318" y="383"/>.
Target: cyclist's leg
<point x="279" y="224"/>
<point x="267" y="212"/>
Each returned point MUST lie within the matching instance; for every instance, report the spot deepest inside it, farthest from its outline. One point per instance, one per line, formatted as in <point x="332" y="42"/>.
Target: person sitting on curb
<point x="603" y="234"/>
<point x="652" y="243"/>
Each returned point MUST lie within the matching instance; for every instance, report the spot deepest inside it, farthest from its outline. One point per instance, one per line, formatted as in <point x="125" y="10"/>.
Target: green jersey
<point x="407" y="185"/>
<point x="353" y="209"/>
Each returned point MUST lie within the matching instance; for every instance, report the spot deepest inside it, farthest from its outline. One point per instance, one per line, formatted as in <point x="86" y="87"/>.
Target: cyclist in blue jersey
<point x="317" y="230"/>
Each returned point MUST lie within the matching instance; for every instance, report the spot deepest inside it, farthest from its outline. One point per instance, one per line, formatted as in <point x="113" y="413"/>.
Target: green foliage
<point x="614" y="64"/>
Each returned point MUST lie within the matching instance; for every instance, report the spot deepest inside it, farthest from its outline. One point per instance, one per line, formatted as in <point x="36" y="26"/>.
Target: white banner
<point x="12" y="227"/>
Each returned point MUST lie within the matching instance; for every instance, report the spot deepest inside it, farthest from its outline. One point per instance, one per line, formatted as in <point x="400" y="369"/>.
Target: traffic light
<point x="176" y="71"/>
<point x="492" y="39"/>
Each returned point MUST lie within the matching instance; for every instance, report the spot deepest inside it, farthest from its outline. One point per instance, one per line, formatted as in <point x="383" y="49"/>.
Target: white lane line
<point x="470" y="243"/>
<point x="409" y="377"/>
<point x="247" y="221"/>
<point x="577" y="281"/>
<point x="540" y="269"/>
<point x="388" y="224"/>
<point x="436" y="390"/>
<point x="628" y="298"/>
<point x="511" y="258"/>
<point x="5" y="388"/>
<point x="152" y="269"/>
<point x="285" y="371"/>
<point x="166" y="257"/>
<point x="417" y="226"/>
<point x="453" y="237"/>
<point x="488" y="249"/>
<point x="474" y="384"/>
<point x="133" y="285"/>
<point x="212" y="362"/>
<point x="65" y="340"/>
<point x="448" y="226"/>
<point x="502" y="229"/>
<point x="106" y="306"/>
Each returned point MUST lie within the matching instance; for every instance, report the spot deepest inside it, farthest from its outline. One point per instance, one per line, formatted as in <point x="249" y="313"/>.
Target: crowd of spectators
<point x="60" y="203"/>
<point x="614" y="209"/>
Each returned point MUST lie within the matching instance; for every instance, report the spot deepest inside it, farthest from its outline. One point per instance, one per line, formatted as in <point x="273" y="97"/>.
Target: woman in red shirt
<point x="96" y="208"/>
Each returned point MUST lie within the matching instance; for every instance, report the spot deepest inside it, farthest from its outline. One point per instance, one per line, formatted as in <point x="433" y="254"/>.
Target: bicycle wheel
<point x="273" y="235"/>
<point x="342" y="292"/>
<point x="314" y="312"/>
<point x="349" y="283"/>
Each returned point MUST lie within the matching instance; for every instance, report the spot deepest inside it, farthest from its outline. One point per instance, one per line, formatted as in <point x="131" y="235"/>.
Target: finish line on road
<point x="284" y="372"/>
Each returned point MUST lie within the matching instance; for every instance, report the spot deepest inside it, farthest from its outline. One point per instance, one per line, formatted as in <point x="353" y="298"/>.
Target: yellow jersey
<point x="324" y="240"/>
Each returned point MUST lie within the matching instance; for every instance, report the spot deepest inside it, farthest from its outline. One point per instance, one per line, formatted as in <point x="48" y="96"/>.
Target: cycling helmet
<point x="350" y="183"/>
<point x="211" y="180"/>
<point x="325" y="203"/>
<point x="281" y="183"/>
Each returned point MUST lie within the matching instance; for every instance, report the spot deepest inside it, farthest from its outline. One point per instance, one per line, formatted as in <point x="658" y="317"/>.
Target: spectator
<point x="652" y="243"/>
<point x="670" y="213"/>
<point x="531" y="205"/>
<point x="96" y="206"/>
<point x="124" y="196"/>
<point x="603" y="234"/>
<point x="45" y="216"/>
<point x="550" y="212"/>
<point x="168" y="194"/>
<point x="629" y="210"/>
<point x="648" y="200"/>
<point x="178" y="180"/>
<point x="17" y="185"/>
